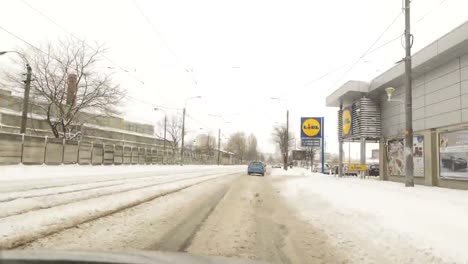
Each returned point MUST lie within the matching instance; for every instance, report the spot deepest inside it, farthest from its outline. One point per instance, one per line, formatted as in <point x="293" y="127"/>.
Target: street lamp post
<point x="27" y="88"/>
<point x="286" y="139"/>
<point x="219" y="135"/>
<point x="183" y="129"/>
<point x="165" y="130"/>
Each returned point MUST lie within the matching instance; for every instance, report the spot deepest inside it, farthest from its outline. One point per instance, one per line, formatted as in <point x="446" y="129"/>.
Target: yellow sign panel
<point x="311" y="127"/>
<point x="346" y="118"/>
<point x="357" y="167"/>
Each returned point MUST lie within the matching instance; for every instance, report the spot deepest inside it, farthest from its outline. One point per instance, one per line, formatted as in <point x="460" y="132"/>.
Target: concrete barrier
<point x="108" y="158"/>
<point x="70" y="152"/>
<point x="97" y="154"/>
<point x="118" y="155"/>
<point x="148" y="155"/>
<point x="29" y="149"/>
<point x="33" y="150"/>
<point x="84" y="153"/>
<point x="127" y="155"/>
<point x="134" y="155"/>
<point x="10" y="148"/>
<point x="154" y="156"/>
<point x="141" y="155"/>
<point x="54" y="151"/>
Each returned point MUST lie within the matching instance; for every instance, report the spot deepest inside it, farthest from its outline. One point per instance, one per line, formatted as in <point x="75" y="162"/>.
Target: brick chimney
<point x="72" y="88"/>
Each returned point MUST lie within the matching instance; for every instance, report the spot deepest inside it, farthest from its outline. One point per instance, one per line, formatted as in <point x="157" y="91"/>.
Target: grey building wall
<point x="393" y="113"/>
<point x="440" y="98"/>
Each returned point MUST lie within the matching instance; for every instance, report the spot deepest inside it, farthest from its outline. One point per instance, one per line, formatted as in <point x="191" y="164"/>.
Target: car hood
<point x="137" y="257"/>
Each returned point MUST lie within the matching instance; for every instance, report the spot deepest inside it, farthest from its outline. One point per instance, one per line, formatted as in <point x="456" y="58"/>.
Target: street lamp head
<point x="389" y="91"/>
<point x="3" y="52"/>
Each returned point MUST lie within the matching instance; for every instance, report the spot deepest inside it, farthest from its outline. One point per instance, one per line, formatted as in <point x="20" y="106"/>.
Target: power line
<point x="369" y="49"/>
<point x="430" y="11"/>
<point x="74" y="36"/>
<point x="156" y="31"/>
<point x="163" y="40"/>
<point x="385" y="44"/>
<point x="326" y="74"/>
<point x="21" y="39"/>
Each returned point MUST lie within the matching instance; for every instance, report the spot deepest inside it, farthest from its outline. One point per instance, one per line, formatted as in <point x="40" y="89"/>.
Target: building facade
<point x="439" y="112"/>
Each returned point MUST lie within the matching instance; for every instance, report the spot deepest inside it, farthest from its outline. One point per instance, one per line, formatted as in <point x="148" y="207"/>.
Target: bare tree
<point x="252" y="152"/>
<point x="67" y="89"/>
<point x="237" y="144"/>
<point x="281" y="138"/>
<point x="174" y="132"/>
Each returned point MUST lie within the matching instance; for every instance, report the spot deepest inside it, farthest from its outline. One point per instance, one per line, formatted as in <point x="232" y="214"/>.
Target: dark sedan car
<point x="454" y="163"/>
<point x="374" y="170"/>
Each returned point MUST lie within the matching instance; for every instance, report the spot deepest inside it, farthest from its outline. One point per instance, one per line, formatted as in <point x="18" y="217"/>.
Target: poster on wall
<point x="418" y="156"/>
<point x="395" y="156"/>
<point x="453" y="154"/>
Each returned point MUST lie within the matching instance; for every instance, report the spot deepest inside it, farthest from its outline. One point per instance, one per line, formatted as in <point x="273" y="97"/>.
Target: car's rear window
<point x="256" y="164"/>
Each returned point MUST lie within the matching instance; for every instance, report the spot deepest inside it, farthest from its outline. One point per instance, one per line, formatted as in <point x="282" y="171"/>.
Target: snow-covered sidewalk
<point x="379" y="221"/>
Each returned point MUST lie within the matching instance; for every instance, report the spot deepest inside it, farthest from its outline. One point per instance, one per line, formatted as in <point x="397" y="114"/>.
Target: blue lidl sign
<point x="311" y="127"/>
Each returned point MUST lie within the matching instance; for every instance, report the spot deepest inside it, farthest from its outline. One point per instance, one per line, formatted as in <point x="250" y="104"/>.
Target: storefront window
<point x="396" y="157"/>
<point x="418" y="156"/>
<point x="453" y="154"/>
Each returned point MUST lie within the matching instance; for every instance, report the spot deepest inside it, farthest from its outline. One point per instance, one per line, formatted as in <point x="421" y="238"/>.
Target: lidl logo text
<point x="311" y="127"/>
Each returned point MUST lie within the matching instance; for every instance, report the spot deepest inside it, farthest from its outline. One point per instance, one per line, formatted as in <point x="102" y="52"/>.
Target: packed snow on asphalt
<point x="289" y="216"/>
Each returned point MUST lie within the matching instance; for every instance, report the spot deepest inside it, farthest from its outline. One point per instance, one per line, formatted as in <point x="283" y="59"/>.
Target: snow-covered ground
<point x="381" y="222"/>
<point x="39" y="200"/>
<point x="28" y="172"/>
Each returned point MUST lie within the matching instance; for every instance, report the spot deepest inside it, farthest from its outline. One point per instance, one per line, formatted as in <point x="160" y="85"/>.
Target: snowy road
<point x="285" y="217"/>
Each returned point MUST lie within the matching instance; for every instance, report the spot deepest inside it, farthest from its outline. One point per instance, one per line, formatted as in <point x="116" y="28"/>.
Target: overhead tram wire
<point x="163" y="40"/>
<point x="89" y="46"/>
<point x="77" y="38"/>
<point x="21" y="39"/>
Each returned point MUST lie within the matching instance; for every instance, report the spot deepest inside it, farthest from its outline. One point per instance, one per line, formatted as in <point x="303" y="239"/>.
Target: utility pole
<point x="287" y="141"/>
<point x="219" y="144"/>
<point x="409" y="179"/>
<point x="165" y="130"/>
<point x="340" y="147"/>
<point x="27" y="88"/>
<point x="183" y="135"/>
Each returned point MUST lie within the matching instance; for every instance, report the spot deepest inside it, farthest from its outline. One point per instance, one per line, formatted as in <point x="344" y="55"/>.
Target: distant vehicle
<point x="335" y="169"/>
<point x="374" y="170"/>
<point x="454" y="163"/>
<point x="276" y="166"/>
<point x="318" y="168"/>
<point x="256" y="167"/>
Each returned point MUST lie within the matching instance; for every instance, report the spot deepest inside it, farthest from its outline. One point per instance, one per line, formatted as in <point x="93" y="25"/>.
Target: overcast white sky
<point x="279" y="47"/>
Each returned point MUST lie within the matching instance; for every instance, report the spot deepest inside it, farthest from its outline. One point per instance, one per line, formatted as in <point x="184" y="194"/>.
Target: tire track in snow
<point x="10" y="196"/>
<point x="22" y="206"/>
<point x="21" y="229"/>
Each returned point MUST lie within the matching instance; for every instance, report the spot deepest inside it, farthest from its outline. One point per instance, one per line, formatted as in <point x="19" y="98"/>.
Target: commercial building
<point x="440" y="113"/>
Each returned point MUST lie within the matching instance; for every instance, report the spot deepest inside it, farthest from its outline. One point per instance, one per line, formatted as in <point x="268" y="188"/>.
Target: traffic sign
<point x="311" y="142"/>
